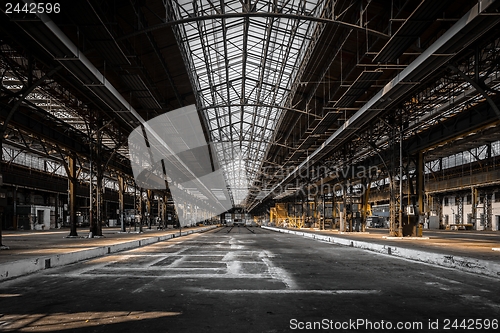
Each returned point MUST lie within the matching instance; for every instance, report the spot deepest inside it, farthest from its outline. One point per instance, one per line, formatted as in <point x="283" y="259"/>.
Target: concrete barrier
<point x="28" y="266"/>
<point x="471" y="265"/>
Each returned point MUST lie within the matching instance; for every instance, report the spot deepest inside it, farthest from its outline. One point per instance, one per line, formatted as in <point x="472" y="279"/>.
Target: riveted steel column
<point x="72" y="195"/>
<point x="149" y="204"/>
<point x="121" y="201"/>
<point x="420" y="190"/>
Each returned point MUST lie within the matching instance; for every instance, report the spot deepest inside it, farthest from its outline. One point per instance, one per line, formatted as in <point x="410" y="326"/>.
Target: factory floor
<point x="250" y="280"/>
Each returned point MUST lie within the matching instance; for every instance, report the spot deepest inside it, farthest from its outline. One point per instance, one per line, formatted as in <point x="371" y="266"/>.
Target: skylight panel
<point x="231" y="68"/>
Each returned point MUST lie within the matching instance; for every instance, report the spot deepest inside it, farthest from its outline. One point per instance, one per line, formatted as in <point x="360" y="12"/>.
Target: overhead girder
<point x="474" y="119"/>
<point x="48" y="93"/>
<point x="141" y="19"/>
<point x="311" y="95"/>
<point x="212" y="59"/>
<point x="468" y="29"/>
<point x="62" y="134"/>
<point x="64" y="51"/>
<point x="256" y="15"/>
<point x="478" y="87"/>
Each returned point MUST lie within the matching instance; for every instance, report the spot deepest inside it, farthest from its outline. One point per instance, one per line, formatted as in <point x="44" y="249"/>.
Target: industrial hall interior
<point x="340" y="115"/>
<point x="249" y="165"/>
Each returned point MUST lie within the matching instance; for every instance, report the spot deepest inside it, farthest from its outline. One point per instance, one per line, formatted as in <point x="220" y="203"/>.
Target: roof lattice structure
<point x="242" y="69"/>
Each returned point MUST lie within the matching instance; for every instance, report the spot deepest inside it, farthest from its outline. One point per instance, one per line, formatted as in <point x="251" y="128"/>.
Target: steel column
<point x="140" y="211"/>
<point x="460" y="211"/>
<point x="149" y="199"/>
<point x="344" y="208"/>
<point x="72" y="195"/>
<point x="474" y="202"/>
<point x="400" y="208"/>
<point x="121" y="201"/>
<point x="487" y="211"/>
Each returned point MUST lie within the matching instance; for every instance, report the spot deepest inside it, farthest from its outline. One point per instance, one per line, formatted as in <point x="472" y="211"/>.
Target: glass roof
<point x="243" y="57"/>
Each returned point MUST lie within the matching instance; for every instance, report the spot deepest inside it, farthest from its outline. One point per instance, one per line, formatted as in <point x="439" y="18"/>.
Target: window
<point x="261" y="86"/>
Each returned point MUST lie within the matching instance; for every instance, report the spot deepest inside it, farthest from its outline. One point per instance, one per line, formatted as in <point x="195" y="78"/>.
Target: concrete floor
<point x="248" y="280"/>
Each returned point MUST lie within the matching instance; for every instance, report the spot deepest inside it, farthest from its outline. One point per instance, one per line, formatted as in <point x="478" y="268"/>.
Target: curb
<point x="471" y="265"/>
<point x="28" y="266"/>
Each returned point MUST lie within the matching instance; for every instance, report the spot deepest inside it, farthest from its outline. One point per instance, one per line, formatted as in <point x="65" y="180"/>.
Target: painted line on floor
<point x="187" y="275"/>
<point x="41" y="233"/>
<point x="466" y="264"/>
<point x="27" y="266"/>
<point x="292" y="291"/>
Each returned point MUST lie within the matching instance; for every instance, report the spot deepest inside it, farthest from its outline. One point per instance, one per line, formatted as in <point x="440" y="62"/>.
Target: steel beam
<point x="161" y="59"/>
<point x="451" y="42"/>
<point x="197" y="18"/>
<point x="86" y="72"/>
<point x="25" y="94"/>
<point x="476" y="85"/>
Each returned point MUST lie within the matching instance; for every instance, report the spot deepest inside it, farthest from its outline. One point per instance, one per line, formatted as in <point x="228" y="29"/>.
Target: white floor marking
<point x="439" y="285"/>
<point x="154" y="262"/>
<point x="234" y="268"/>
<point x="291" y="291"/>
<point x="171" y="276"/>
<point x="228" y="256"/>
<point x="236" y="261"/>
<point x="277" y="272"/>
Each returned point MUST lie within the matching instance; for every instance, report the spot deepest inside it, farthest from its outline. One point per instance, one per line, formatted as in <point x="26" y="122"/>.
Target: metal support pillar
<point x="168" y="214"/>
<point x="97" y="188"/>
<point x="92" y="195"/>
<point x="161" y="213"/>
<point x="393" y="220"/>
<point x="460" y="210"/>
<point x="364" y="211"/>
<point x="140" y="211"/>
<point x="350" y="214"/>
<point x="2" y="202"/>
<point x="420" y="185"/>
<point x="315" y="212"/>
<point x="308" y="213"/>
<point x="72" y="195"/>
<point x="334" y="211"/>
<point x="438" y="202"/>
<point x="475" y="201"/>
<point x="56" y="204"/>
<point x="344" y="209"/>
<point x="14" y="204"/>
<point x="121" y="201"/>
<point x="99" y="194"/>
<point x="322" y="226"/>
<point x="488" y="212"/>
<point x="400" y="201"/>
<point x="149" y="204"/>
